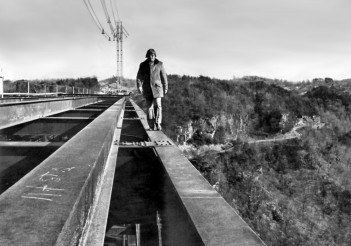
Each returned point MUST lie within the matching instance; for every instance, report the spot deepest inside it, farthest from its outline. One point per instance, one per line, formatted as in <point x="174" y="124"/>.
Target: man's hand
<point x="140" y="89"/>
<point x="166" y="92"/>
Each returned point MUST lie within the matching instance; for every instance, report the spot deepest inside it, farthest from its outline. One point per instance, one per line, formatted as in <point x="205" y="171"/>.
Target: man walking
<point x="152" y="82"/>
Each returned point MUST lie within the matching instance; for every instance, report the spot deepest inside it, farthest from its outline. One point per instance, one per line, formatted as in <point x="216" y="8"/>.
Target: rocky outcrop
<point x="234" y="125"/>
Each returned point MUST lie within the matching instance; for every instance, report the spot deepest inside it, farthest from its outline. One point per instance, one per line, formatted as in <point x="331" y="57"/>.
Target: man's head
<point x="151" y="54"/>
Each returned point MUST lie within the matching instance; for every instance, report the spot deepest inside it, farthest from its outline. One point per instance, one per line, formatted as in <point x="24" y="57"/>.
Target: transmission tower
<point x="119" y="34"/>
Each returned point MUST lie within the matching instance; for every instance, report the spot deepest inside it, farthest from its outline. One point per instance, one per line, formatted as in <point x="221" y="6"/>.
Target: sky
<point x="292" y="40"/>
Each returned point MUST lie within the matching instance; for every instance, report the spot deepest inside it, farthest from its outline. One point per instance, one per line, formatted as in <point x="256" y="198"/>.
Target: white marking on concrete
<point x="43" y="194"/>
<point x="37" y="198"/>
<point x="62" y="170"/>
<point x="45" y="188"/>
<point x="48" y="176"/>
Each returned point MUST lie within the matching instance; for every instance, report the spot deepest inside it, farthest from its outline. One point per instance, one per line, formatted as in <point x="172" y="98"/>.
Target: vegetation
<point x="194" y="98"/>
<point x="40" y="86"/>
<point x="292" y="192"/>
<point x="124" y="83"/>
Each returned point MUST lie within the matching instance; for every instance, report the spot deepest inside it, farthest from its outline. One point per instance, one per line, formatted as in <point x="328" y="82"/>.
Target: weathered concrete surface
<point x="215" y="220"/>
<point x="11" y="100"/>
<point x="50" y="205"/>
<point x="141" y="115"/>
<point x="67" y="118"/>
<point x="30" y="144"/>
<point x="20" y="112"/>
<point x="95" y="229"/>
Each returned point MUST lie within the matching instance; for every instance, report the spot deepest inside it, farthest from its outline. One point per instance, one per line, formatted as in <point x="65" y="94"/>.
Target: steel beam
<point x="68" y="118"/>
<point x="214" y="219"/>
<point x="52" y="203"/>
<point x="30" y="144"/>
<point x="20" y="112"/>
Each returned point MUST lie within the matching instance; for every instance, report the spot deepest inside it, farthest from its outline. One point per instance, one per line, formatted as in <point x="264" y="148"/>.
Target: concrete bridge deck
<point x="114" y="180"/>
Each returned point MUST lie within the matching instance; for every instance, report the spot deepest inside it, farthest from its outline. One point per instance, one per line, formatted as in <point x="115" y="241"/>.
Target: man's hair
<point x="149" y="52"/>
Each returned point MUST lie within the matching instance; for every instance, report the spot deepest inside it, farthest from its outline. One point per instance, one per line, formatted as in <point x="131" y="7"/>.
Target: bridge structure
<point x="88" y="170"/>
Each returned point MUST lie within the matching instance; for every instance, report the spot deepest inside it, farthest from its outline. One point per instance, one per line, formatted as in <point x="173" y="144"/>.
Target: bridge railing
<point x="49" y="90"/>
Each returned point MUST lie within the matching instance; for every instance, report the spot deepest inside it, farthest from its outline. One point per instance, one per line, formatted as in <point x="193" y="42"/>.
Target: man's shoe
<point x="159" y="128"/>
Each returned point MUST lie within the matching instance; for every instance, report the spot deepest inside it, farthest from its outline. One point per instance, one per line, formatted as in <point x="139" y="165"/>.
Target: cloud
<point x="287" y="39"/>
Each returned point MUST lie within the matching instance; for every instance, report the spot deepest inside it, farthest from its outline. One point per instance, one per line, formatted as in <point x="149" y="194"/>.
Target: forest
<point x="291" y="192"/>
<point x="50" y="85"/>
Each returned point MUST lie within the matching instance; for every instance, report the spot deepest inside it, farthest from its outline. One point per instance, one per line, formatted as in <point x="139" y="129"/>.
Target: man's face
<point x="151" y="57"/>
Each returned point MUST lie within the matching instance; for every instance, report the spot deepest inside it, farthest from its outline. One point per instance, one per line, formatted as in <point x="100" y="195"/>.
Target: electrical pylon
<point x="120" y="33"/>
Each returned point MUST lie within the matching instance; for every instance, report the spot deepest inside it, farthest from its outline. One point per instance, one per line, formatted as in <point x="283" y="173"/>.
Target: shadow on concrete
<point x="133" y="131"/>
<point x="43" y="130"/>
<point x="143" y="197"/>
<point x="16" y="162"/>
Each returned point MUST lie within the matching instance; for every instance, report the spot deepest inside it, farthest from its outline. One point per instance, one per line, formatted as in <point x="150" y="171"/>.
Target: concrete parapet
<point x="51" y="204"/>
<point x="21" y="112"/>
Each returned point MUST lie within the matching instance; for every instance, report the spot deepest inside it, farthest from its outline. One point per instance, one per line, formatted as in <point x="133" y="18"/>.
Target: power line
<point x="92" y="13"/>
<point x="118" y="31"/>
<point x="116" y="9"/>
<point x="95" y="18"/>
<point x="113" y="12"/>
<point x="103" y="3"/>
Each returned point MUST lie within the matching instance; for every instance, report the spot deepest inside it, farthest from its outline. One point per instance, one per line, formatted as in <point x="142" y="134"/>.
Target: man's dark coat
<point x="152" y="78"/>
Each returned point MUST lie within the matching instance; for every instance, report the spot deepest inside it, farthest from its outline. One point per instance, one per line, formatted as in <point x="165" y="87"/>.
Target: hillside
<point x="125" y="84"/>
<point x="233" y="108"/>
<point x="295" y="191"/>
